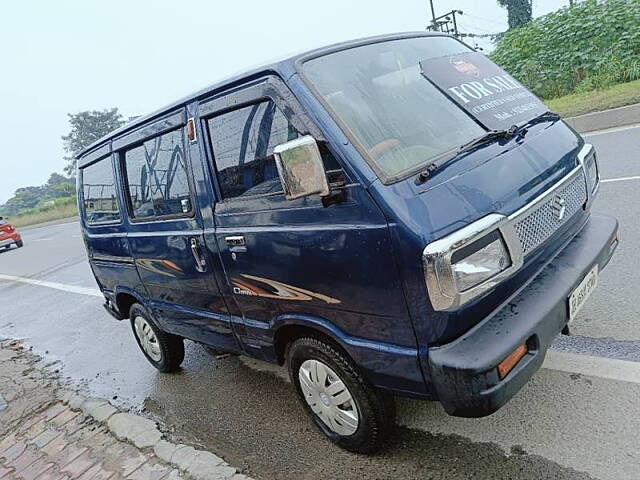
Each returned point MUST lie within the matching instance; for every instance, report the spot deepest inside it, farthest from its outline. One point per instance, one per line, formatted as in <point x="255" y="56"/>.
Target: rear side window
<point x="156" y="177"/>
<point x="242" y="143"/>
<point x="99" y="193"/>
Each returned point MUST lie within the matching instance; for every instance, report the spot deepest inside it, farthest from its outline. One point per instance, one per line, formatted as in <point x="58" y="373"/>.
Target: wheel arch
<point x="124" y="300"/>
<point x="394" y="368"/>
<point x="288" y="328"/>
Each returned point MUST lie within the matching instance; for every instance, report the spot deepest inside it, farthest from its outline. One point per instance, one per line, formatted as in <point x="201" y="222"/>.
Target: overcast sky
<point x="69" y="56"/>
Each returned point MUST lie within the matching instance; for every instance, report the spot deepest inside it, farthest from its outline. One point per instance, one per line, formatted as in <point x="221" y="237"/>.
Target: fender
<point x="111" y="304"/>
<point x="394" y="368"/>
<point x="346" y="341"/>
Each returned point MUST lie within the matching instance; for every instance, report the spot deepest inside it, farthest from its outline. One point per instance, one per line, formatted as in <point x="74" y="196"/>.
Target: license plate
<point x="580" y="294"/>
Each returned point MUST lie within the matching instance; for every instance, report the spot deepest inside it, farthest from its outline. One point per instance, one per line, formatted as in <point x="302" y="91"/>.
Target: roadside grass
<point x="41" y="216"/>
<point x="580" y="103"/>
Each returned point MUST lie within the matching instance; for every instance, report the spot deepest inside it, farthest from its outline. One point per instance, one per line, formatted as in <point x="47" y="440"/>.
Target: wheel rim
<point x="148" y="339"/>
<point x="328" y="397"/>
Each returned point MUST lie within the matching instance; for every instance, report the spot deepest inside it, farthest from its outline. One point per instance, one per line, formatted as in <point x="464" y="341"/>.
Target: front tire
<point x="19" y="243"/>
<point x="343" y="405"/>
<point x="163" y="350"/>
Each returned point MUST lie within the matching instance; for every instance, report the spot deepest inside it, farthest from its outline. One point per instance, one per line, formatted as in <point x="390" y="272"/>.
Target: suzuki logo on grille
<point x="558" y="207"/>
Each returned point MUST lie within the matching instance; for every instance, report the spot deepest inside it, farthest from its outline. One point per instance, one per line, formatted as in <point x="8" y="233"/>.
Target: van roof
<point x="285" y="68"/>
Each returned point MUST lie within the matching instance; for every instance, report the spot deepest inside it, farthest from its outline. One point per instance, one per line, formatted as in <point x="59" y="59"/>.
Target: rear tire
<point x="350" y="412"/>
<point x="163" y="350"/>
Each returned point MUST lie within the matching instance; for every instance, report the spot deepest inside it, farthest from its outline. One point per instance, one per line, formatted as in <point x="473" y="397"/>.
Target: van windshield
<point x="399" y="118"/>
<point x="382" y="97"/>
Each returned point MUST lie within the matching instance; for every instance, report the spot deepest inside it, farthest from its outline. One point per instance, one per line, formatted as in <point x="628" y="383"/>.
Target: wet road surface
<point x="561" y="425"/>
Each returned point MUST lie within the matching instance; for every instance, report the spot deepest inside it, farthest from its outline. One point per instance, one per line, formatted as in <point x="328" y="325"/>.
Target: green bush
<point x="590" y="46"/>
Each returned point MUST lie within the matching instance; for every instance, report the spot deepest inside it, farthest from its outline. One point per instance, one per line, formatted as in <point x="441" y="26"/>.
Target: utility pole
<point x="433" y="16"/>
<point x="446" y="23"/>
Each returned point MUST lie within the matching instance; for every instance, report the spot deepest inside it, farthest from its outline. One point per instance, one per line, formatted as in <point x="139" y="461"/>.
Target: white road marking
<point x="94" y="292"/>
<point x="620" y="179"/>
<point x="607" y="368"/>
<point x="611" y="130"/>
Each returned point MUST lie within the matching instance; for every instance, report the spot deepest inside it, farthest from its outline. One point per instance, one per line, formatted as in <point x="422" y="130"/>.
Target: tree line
<point x="85" y="128"/>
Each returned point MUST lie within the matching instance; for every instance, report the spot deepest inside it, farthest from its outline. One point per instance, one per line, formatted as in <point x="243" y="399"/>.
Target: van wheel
<point x="19" y="243"/>
<point x="163" y="350"/>
<point x="346" y="408"/>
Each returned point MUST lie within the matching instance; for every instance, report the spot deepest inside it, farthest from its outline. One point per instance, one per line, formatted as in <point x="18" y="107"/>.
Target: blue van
<point x="388" y="216"/>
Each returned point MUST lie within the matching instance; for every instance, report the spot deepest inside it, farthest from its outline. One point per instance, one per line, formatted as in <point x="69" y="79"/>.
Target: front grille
<point x="541" y="221"/>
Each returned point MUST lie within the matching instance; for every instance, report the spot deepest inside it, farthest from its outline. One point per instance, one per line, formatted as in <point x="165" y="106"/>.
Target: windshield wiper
<point x="543" y="117"/>
<point x="512" y="131"/>
<point x="488" y="138"/>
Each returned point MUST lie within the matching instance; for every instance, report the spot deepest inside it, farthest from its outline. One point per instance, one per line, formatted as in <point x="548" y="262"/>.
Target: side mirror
<point x="300" y="168"/>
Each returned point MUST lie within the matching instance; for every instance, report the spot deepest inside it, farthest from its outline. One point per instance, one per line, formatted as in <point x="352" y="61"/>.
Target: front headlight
<point x="471" y="261"/>
<point x="479" y="261"/>
<point x="591" y="171"/>
<point x="589" y="162"/>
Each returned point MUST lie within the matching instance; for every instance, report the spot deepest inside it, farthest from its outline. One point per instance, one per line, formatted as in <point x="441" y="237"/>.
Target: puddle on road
<point x="253" y="420"/>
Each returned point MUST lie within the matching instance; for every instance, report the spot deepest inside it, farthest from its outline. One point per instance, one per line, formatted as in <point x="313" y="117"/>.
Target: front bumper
<point x="10" y="240"/>
<point x="464" y="372"/>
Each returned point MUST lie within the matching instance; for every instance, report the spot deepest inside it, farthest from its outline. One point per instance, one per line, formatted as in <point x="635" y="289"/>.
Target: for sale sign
<point x="483" y="89"/>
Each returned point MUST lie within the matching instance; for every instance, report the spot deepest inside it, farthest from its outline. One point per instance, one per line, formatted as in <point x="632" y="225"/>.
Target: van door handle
<point x="236" y="243"/>
<point x="201" y="264"/>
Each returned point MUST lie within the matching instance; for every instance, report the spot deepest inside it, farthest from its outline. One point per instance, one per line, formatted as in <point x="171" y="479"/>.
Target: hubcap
<point x="328" y="397"/>
<point x="148" y="339"/>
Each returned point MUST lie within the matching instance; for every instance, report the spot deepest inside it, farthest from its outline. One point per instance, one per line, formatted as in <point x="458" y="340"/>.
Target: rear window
<point x="99" y="193"/>
<point x="156" y="177"/>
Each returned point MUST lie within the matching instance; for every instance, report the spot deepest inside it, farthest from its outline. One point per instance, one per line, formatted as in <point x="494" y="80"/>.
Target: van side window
<point x="99" y="193"/>
<point x="242" y="143"/>
<point x="156" y="177"/>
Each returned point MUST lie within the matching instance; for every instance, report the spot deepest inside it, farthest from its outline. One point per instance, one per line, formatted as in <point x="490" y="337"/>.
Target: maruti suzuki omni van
<point x="388" y="216"/>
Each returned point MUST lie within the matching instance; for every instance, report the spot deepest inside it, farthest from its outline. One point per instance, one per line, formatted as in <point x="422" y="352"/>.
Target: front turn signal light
<point x="505" y="366"/>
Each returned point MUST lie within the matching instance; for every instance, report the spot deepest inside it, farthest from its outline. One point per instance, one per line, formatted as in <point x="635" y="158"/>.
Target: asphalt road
<point x="562" y="425"/>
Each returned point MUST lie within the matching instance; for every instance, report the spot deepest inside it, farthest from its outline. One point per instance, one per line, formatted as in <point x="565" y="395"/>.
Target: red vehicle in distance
<point x="9" y="235"/>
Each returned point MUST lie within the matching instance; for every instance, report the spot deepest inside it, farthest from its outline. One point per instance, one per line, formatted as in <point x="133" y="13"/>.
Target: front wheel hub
<point x="148" y="339"/>
<point x="328" y="397"/>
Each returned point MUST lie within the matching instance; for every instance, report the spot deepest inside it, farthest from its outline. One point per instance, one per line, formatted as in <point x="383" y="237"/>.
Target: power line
<point x="448" y="23"/>
<point x="495" y="22"/>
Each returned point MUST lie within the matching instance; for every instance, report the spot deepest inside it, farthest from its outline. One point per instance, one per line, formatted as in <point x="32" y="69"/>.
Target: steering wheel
<point x="382" y="147"/>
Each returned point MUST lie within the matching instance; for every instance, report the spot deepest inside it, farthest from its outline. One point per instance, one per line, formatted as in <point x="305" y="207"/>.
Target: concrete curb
<point x="616" y="117"/>
<point x="144" y="434"/>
